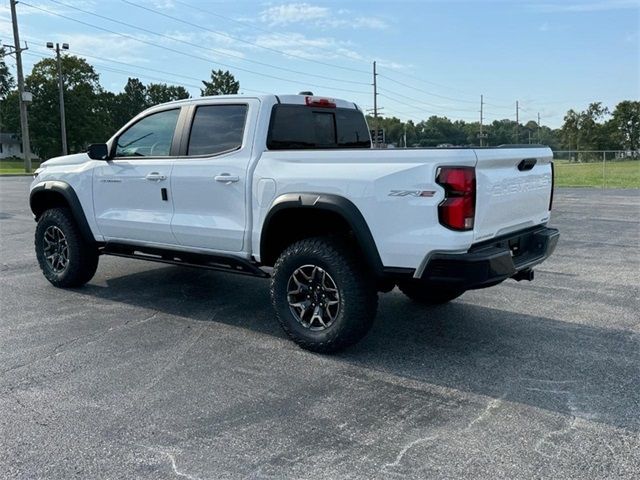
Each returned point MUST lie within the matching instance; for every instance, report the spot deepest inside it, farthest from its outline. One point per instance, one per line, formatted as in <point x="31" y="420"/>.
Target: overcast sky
<point x="434" y="57"/>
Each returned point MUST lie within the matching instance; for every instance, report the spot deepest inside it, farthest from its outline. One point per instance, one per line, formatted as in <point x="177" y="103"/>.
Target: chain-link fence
<point x="597" y="168"/>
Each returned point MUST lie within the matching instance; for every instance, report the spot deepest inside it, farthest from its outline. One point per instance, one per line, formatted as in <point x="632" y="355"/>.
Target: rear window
<point x="300" y="126"/>
<point x="216" y="129"/>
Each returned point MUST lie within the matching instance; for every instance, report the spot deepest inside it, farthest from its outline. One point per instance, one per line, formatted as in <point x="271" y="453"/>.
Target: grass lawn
<point x="14" y="167"/>
<point x="623" y="174"/>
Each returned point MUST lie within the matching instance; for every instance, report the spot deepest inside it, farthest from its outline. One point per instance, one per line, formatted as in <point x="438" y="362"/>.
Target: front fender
<point x="49" y="193"/>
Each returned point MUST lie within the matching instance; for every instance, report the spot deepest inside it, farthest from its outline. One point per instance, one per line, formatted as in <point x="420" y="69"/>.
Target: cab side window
<point x="150" y="137"/>
<point x="217" y="129"/>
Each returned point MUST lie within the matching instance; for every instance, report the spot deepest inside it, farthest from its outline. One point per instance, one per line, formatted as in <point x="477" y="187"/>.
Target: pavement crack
<point x="488" y="410"/>
<point x="172" y="460"/>
<point x="406" y="448"/>
<point x="491" y="406"/>
<point x="568" y="427"/>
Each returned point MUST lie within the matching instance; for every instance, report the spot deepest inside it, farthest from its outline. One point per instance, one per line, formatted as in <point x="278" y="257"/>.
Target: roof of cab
<point x="287" y="99"/>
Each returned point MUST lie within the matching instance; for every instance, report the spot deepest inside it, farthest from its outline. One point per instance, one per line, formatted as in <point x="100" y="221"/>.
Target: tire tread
<point x="347" y="264"/>
<point x="83" y="255"/>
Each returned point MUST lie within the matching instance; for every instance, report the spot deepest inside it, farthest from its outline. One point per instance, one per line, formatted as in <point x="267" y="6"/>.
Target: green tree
<point x="440" y="130"/>
<point x="131" y="101"/>
<point x="625" y="125"/>
<point x="570" y="130"/>
<point x="162" y="93"/>
<point x="593" y="133"/>
<point x="222" y="83"/>
<point x="6" y="79"/>
<point x="10" y="113"/>
<point x="86" y="119"/>
<point x="586" y="130"/>
<point x="502" y="132"/>
<point x="6" y="86"/>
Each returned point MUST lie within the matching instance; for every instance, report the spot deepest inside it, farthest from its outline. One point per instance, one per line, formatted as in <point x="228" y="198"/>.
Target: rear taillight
<point x="458" y="209"/>
<point x="553" y="182"/>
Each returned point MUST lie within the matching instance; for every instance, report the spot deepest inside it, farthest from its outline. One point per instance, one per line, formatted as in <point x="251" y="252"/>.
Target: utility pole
<point x="375" y="106"/>
<point x="63" y="123"/>
<point x="539" y="141"/>
<point x="481" y="135"/>
<point x="517" y="122"/>
<point x="24" y="118"/>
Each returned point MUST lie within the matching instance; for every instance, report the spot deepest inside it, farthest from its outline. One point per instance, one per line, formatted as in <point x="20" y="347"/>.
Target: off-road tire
<point x="358" y="299"/>
<point x="426" y="294"/>
<point x="82" y="256"/>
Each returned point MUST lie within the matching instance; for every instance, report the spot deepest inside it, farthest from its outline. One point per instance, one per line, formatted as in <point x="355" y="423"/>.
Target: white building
<point x="11" y="146"/>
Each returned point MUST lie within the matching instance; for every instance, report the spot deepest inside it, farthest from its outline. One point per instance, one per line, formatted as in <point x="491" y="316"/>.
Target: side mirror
<point x="98" y="151"/>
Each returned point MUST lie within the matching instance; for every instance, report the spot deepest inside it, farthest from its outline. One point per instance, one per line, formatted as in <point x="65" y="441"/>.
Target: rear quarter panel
<point x="405" y="227"/>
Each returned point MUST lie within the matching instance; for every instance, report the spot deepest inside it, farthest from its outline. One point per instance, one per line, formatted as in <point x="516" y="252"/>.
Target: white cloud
<point x="163" y="4"/>
<point x="305" y="13"/>
<point x="372" y="23"/>
<point x="301" y="45"/>
<point x="585" y="6"/>
<point x="293" y="13"/>
<point x="104" y="46"/>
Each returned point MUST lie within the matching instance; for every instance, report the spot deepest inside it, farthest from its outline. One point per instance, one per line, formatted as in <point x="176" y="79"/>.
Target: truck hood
<point x="75" y="159"/>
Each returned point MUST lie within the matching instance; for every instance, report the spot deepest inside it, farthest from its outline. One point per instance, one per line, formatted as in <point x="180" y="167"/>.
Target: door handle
<point x="226" y="178"/>
<point x="155" y="177"/>
<point x="527" y="164"/>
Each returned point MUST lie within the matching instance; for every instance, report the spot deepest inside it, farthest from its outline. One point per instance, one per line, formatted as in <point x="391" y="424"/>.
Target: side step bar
<point x="224" y="263"/>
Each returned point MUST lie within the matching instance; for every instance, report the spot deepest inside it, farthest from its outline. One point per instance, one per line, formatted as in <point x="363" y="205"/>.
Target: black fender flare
<point x="40" y="191"/>
<point x="333" y="203"/>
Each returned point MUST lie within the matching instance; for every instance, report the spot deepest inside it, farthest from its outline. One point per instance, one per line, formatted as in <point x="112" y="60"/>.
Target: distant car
<point x="245" y="183"/>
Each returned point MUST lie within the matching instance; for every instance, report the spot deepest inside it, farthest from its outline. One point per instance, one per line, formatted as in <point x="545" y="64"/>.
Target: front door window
<point x="150" y="137"/>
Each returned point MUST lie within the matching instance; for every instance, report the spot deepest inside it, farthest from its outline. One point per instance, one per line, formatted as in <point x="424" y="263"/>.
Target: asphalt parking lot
<point x="156" y="372"/>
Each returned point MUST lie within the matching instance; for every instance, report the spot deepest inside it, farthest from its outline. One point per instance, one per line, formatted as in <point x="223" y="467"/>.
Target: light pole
<point x="63" y="125"/>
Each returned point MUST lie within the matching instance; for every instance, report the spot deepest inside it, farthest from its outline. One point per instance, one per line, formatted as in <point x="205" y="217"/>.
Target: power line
<point x="132" y="73"/>
<point x="202" y="47"/>
<point x="207" y="60"/>
<point x="238" y="39"/>
<point x="431" y="105"/>
<point x="111" y="60"/>
<point x="424" y="91"/>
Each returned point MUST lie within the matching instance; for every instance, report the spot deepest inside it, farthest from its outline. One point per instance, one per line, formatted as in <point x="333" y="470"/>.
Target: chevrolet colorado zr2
<point x="289" y="188"/>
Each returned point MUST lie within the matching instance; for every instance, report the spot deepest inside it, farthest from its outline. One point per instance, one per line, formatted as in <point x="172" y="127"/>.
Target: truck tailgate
<point x="513" y="190"/>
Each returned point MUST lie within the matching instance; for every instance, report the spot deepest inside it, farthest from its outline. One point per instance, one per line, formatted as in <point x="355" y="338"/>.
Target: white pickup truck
<point x="288" y="187"/>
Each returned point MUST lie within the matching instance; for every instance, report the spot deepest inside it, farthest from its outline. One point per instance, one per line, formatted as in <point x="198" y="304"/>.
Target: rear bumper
<point x="489" y="263"/>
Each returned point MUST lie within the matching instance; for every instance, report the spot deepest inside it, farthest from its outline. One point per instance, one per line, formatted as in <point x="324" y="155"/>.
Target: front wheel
<point x="65" y="257"/>
<point x="428" y="294"/>
<point x="323" y="297"/>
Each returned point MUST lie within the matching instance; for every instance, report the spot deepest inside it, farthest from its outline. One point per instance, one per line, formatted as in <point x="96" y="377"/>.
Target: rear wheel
<point x="64" y="256"/>
<point x="428" y="294"/>
<point x="323" y="297"/>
